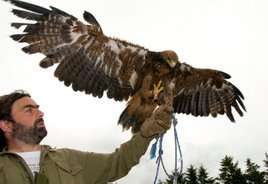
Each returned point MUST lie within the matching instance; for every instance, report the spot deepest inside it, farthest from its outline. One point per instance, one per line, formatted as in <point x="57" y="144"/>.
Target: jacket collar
<point x="44" y="150"/>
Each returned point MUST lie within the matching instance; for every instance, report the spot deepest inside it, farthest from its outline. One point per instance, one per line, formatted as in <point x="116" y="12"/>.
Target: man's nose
<point x="39" y="113"/>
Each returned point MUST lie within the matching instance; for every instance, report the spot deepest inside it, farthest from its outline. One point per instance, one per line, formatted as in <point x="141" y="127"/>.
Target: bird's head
<point x="170" y="57"/>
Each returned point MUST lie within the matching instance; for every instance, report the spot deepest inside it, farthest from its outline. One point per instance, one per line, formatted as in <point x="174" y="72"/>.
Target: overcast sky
<point x="229" y="35"/>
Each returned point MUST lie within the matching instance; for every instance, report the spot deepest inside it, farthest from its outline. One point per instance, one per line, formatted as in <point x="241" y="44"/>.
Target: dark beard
<point x="30" y="135"/>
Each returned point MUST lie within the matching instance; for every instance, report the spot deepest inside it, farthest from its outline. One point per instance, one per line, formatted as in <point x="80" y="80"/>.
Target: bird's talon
<point x="158" y="89"/>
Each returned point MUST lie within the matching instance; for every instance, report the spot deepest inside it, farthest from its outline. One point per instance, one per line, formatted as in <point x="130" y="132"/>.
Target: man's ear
<point x="6" y="126"/>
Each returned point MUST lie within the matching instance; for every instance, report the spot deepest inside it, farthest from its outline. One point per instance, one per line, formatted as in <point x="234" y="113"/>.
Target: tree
<point x="230" y="173"/>
<point x="252" y="173"/>
<point x="180" y="179"/>
<point x="266" y="168"/>
<point x="191" y="175"/>
<point x="203" y="176"/>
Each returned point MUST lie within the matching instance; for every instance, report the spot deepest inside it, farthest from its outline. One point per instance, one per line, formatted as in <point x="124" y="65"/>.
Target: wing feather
<point x="26" y="14"/>
<point x="90" y="18"/>
<point x="200" y="102"/>
<point x="211" y="94"/>
<point x="187" y="109"/>
<point x="205" y="104"/>
<point x="91" y="62"/>
<point x="193" y="103"/>
<point x="88" y="60"/>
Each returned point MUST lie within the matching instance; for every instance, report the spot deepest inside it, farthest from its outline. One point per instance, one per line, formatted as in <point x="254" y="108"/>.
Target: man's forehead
<point x="22" y="102"/>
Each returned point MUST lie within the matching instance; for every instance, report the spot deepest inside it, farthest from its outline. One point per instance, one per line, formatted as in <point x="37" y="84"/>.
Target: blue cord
<point x="159" y="159"/>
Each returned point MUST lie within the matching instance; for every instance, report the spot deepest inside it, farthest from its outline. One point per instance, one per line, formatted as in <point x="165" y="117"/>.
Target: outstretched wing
<point x="88" y="60"/>
<point x="204" y="92"/>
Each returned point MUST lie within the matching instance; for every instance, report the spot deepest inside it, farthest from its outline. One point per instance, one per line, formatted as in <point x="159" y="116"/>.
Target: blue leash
<point x="159" y="160"/>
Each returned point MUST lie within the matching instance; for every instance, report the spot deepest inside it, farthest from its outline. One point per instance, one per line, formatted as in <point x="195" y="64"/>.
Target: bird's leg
<point x="158" y="89"/>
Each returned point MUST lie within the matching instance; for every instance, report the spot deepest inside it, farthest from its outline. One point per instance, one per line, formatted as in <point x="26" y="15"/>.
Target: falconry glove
<point x="158" y="123"/>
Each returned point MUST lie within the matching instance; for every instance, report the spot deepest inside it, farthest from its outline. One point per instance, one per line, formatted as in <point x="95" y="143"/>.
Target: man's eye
<point x="29" y="110"/>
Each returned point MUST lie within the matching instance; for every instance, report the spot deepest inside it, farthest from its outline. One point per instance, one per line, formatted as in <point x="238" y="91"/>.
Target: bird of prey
<point x="94" y="63"/>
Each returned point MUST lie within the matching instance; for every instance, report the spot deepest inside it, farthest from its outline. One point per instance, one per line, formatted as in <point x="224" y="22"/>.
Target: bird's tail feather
<point x="129" y="121"/>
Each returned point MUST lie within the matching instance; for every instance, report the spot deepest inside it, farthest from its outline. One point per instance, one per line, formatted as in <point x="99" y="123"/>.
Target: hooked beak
<point x="172" y="64"/>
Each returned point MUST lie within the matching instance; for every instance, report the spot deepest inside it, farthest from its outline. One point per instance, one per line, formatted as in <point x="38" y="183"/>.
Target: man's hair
<point x="6" y="102"/>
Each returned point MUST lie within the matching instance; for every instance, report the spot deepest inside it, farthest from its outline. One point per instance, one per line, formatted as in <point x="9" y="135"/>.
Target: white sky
<point x="229" y="35"/>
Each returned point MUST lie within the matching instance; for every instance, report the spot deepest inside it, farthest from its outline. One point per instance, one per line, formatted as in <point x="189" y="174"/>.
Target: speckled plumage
<point x="91" y="62"/>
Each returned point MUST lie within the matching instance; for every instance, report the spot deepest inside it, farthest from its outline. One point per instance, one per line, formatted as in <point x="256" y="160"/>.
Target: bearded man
<point x="24" y="160"/>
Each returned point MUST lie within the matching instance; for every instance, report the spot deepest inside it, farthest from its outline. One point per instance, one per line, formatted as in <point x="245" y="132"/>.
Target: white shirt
<point x="32" y="159"/>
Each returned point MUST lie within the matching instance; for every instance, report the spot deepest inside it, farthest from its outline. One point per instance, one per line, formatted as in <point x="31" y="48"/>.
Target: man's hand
<point x="158" y="123"/>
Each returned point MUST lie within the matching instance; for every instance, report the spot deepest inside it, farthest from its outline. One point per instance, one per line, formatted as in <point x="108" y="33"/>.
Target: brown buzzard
<point x="94" y="63"/>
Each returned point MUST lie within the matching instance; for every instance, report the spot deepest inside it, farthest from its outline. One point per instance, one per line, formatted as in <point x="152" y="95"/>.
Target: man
<point x="24" y="160"/>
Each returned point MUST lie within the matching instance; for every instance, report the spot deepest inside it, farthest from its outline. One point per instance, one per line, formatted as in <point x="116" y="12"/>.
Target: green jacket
<point x="67" y="166"/>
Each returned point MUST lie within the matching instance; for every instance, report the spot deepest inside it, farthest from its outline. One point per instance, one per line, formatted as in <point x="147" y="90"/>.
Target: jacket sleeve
<point x="119" y="163"/>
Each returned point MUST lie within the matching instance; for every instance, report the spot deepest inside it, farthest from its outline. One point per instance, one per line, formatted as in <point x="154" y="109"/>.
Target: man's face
<point x="28" y="121"/>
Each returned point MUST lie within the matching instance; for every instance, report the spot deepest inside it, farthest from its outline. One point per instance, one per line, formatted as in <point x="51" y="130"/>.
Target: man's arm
<point x="129" y="153"/>
<point x="124" y="158"/>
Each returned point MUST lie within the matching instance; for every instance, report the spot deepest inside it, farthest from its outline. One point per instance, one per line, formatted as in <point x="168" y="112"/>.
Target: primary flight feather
<point x="92" y="62"/>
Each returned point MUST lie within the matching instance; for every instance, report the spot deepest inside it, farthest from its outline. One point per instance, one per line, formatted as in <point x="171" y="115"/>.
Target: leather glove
<point x="158" y="123"/>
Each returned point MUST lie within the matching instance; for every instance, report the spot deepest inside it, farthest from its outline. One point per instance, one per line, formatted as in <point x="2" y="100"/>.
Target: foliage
<point x="252" y="173"/>
<point x="266" y="168"/>
<point x="229" y="173"/>
<point x="191" y="175"/>
<point x="203" y="177"/>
